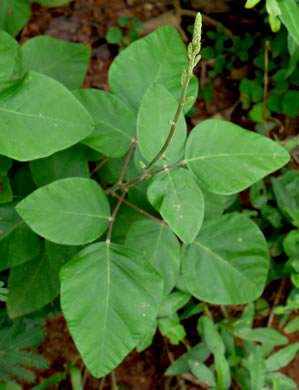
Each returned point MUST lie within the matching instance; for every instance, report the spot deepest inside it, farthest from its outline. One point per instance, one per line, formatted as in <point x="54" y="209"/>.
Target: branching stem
<point x="120" y="180"/>
<point x="138" y="209"/>
<point x="112" y="218"/>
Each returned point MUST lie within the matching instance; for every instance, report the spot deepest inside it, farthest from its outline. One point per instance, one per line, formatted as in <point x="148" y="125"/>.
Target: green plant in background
<point x="169" y="244"/>
<point x="13" y="356"/>
<point x="14" y="14"/>
<point x="249" y="364"/>
<point x="128" y="33"/>
<point x="285" y="11"/>
<point x="3" y="292"/>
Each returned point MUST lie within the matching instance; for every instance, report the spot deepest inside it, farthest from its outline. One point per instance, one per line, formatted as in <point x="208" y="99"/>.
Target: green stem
<point x="193" y="58"/>
<point x="161" y="153"/>
<point x="113" y="381"/>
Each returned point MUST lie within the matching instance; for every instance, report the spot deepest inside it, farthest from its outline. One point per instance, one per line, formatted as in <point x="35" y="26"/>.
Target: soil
<point x="87" y="21"/>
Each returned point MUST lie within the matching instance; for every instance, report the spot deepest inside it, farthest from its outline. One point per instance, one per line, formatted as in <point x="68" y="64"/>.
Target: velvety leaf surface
<point x="18" y="243"/>
<point x="115" y="124"/>
<point x="14" y="14"/>
<point x="71" y="211"/>
<point x="227" y="159"/>
<point x="34" y="127"/>
<point x="117" y="294"/>
<point x="67" y="163"/>
<point x="177" y="197"/>
<point x="157" y="106"/>
<point x="160" y="246"/>
<point x="227" y="264"/>
<point x="36" y="283"/>
<point x="159" y="57"/>
<point x="64" y="61"/>
<point x="10" y="60"/>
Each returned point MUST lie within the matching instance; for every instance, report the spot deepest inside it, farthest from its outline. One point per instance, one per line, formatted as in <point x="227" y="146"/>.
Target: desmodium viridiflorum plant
<point x="166" y="233"/>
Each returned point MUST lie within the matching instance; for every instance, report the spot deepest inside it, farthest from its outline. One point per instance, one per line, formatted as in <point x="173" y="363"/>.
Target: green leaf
<point x="290" y="103"/>
<point x="272" y="215"/>
<point x="258" y="195"/>
<point x="198" y="353"/>
<point x="290" y="16"/>
<point x="158" y="106"/>
<point x="202" y="372"/>
<point x="117" y="294"/>
<point x="172" y="303"/>
<point x="11" y="60"/>
<point x="228" y="262"/>
<point x="281" y="358"/>
<point x="18" y="243"/>
<point x="36" y="283"/>
<point x="147" y="339"/>
<point x="123" y="20"/>
<point x="114" y="35"/>
<point x="67" y="163"/>
<point x="291" y="243"/>
<point x="3" y="292"/>
<point x="251" y="3"/>
<point x="65" y="62"/>
<point x="6" y="194"/>
<point x="159" y="57"/>
<point x="256" y="113"/>
<point x="214" y="204"/>
<point x="227" y="159"/>
<point x="115" y="124"/>
<point x="224" y="378"/>
<point x="292" y="326"/>
<point x="13" y="358"/>
<point x="52" y="380"/>
<point x="265" y="336"/>
<point x="157" y="243"/>
<point x="14" y="14"/>
<point x="172" y="329"/>
<point x="211" y="336"/>
<point x="177" y="197"/>
<point x="255" y="364"/>
<point x="70" y="211"/>
<point x="280" y="381"/>
<point x="246" y="319"/>
<point x="285" y="196"/>
<point x="52" y="3"/>
<point x="38" y="127"/>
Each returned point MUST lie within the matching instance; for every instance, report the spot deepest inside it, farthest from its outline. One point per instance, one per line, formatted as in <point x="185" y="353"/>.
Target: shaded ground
<point x="87" y="21"/>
